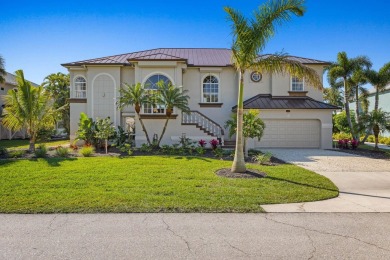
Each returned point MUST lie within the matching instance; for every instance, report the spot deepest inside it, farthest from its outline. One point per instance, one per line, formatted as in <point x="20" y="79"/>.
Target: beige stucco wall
<point x="75" y="110"/>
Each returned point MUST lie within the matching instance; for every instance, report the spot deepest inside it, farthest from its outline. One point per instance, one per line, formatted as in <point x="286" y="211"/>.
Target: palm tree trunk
<point x="163" y="131"/>
<point x="376" y="134"/>
<point x="357" y="112"/>
<point x="239" y="159"/>
<point x="32" y="144"/>
<point x="144" y="129"/>
<point x="376" y="99"/>
<point x="105" y="145"/>
<point x="346" y="106"/>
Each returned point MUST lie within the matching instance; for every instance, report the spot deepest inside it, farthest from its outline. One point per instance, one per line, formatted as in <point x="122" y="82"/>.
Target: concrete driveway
<point x="364" y="183"/>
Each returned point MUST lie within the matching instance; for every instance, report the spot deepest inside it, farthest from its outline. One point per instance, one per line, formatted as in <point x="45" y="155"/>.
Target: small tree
<point x="377" y="120"/>
<point x="170" y="97"/>
<point x="253" y="126"/>
<point x="341" y="122"/>
<point x="104" y="129"/>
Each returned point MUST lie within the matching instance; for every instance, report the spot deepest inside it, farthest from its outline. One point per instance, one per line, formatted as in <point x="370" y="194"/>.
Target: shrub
<point x="16" y="153"/>
<point x="354" y="143"/>
<point x="214" y="143"/>
<point x="371" y="139"/>
<point x="146" y="148"/>
<point x="263" y="158"/>
<point x="341" y="136"/>
<point x="200" y="150"/>
<point x="87" y="151"/>
<point x="41" y="151"/>
<point x="3" y="151"/>
<point x="126" y="148"/>
<point x="62" y="151"/>
<point x="218" y="152"/>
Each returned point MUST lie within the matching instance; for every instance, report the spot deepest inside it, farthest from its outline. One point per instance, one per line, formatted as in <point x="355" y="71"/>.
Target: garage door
<point x="291" y="133"/>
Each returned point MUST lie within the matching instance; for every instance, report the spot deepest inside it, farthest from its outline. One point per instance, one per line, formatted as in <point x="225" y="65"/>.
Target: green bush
<point x="126" y="148"/>
<point x="341" y="136"/>
<point x="263" y="158"/>
<point x="371" y="139"/>
<point x="41" y="151"/>
<point x="200" y="150"/>
<point x="3" y="151"/>
<point x="218" y="152"/>
<point x="87" y="151"/>
<point x="62" y="151"/>
<point x="145" y="148"/>
<point x="384" y="140"/>
<point x="16" y="153"/>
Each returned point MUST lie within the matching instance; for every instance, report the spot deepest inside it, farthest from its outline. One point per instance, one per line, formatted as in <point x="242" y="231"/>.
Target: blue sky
<point x="37" y="36"/>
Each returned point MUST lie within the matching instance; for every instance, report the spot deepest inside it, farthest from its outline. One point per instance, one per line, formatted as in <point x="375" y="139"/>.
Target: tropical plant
<point x="358" y="92"/>
<point x="379" y="80"/>
<point x="87" y="151"/>
<point x="41" y="151"/>
<point x="29" y="107"/>
<point x="169" y="97"/>
<point x="134" y="95"/>
<point x="57" y="84"/>
<point x="214" y="144"/>
<point x="86" y="131"/>
<point x="202" y="143"/>
<point x="263" y="158"/>
<point x="253" y="126"/>
<point x="377" y="120"/>
<point x="340" y="121"/>
<point x="2" y="70"/>
<point x="249" y="39"/>
<point x="62" y="151"/>
<point x="104" y="130"/>
<point x="343" y="69"/>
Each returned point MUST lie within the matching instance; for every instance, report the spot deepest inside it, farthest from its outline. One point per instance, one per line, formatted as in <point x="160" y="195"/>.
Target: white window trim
<point x="74" y="91"/>
<point x="291" y="84"/>
<point x="201" y="88"/>
<point x="143" y="84"/>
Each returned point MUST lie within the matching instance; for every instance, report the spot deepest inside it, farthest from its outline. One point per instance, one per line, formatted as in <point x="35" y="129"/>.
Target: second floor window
<point x="210" y="89"/>
<point x="297" y="84"/>
<point x="80" y="87"/>
<point x="151" y="85"/>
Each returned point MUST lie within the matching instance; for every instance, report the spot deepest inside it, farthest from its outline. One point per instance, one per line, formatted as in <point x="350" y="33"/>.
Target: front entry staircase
<point x="204" y="123"/>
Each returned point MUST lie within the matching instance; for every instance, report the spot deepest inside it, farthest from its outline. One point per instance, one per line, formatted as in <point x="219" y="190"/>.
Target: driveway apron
<point x="364" y="183"/>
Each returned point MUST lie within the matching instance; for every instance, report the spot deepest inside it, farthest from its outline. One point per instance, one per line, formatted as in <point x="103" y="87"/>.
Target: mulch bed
<point x="366" y="153"/>
<point x="250" y="173"/>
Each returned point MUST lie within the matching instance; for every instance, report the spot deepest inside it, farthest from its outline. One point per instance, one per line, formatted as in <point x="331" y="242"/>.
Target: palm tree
<point x="2" y="70"/>
<point x="333" y="94"/>
<point x="134" y="95"/>
<point x="249" y="39"/>
<point x="379" y="80"/>
<point x="29" y="107"/>
<point x="344" y="68"/>
<point x="358" y="93"/>
<point x="58" y="86"/>
<point x="170" y="97"/>
<point x="377" y="120"/>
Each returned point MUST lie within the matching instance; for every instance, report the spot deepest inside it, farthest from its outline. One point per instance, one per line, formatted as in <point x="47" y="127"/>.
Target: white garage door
<point x="291" y="133"/>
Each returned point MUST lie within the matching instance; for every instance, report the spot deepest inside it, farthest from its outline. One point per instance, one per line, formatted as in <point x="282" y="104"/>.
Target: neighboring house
<point x="384" y="103"/>
<point x="294" y="113"/>
<point x="10" y="83"/>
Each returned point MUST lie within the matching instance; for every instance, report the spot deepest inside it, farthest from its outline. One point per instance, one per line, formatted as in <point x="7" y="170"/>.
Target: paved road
<point x="196" y="236"/>
<point x="364" y="183"/>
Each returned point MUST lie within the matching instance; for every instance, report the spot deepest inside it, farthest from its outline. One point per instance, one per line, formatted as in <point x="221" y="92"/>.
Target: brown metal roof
<point x="205" y="57"/>
<point x="262" y="101"/>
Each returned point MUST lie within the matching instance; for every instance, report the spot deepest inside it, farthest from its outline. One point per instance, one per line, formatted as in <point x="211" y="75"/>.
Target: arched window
<point x="210" y="89"/>
<point x="80" y="87"/>
<point x="151" y="84"/>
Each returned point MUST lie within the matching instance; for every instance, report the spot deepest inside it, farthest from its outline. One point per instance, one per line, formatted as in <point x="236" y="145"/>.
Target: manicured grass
<point x="23" y="144"/>
<point x="149" y="184"/>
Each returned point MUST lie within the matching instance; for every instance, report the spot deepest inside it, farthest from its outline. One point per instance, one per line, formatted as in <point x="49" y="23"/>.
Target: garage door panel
<point x="291" y="133"/>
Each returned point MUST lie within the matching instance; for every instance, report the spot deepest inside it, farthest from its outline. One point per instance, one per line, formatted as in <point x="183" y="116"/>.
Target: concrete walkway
<point x="364" y="183"/>
<point x="195" y="236"/>
<point x="381" y="146"/>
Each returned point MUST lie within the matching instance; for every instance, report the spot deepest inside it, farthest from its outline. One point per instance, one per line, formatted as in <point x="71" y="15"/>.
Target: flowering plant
<point x="354" y="143"/>
<point x="214" y="143"/>
<point x="202" y="143"/>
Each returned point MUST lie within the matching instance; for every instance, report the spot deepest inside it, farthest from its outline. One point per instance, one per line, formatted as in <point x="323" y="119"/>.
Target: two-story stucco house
<point x="294" y="113"/>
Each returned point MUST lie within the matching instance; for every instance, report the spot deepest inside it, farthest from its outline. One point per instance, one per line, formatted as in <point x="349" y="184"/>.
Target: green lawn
<point x="149" y="184"/>
<point x="23" y="144"/>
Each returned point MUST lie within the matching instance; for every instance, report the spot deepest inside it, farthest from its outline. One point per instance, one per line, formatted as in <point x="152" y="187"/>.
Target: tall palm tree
<point x="134" y="95"/>
<point x="250" y="37"/>
<point x="2" y="70"/>
<point x="29" y="107"/>
<point x="170" y="97"/>
<point x="334" y="95"/>
<point x="358" y="92"/>
<point x="343" y="69"/>
<point x="377" y="120"/>
<point x="379" y="80"/>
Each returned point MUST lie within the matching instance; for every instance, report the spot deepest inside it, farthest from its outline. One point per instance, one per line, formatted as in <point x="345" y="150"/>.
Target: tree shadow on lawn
<point x="301" y="184"/>
<point x="7" y="161"/>
<point x="192" y="158"/>
<point x="54" y="162"/>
